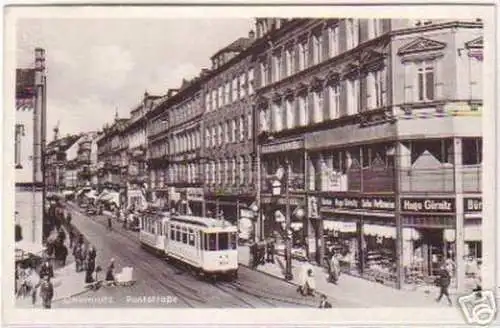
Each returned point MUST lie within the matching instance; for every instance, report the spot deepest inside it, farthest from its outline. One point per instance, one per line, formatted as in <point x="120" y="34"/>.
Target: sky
<point x="98" y="66"/>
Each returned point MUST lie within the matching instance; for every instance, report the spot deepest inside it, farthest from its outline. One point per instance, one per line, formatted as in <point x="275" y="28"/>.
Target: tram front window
<point x="223" y="241"/>
<point x="212" y="241"/>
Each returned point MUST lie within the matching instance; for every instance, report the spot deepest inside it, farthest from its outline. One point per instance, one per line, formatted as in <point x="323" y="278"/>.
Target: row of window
<point x="331" y="102"/>
<point x="185" y="141"/>
<point x="320" y="46"/>
<point x="235" y="171"/>
<point x="186" y="111"/>
<point x="227" y="93"/>
<point x="238" y="129"/>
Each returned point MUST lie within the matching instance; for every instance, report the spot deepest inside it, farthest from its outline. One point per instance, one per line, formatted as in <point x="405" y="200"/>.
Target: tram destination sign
<point x="428" y="205"/>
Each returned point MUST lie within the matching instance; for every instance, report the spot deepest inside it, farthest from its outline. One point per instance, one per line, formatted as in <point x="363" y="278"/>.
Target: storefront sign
<point x="358" y="203"/>
<point x="195" y="194"/>
<point x="282" y="147"/>
<point x="473" y="205"/>
<point x="282" y="201"/>
<point x="426" y="205"/>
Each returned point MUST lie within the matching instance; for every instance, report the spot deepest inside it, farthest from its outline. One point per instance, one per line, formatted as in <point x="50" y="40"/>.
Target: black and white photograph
<point x="267" y="161"/>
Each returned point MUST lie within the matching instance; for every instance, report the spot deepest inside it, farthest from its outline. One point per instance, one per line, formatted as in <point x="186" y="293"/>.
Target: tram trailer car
<point x="208" y="245"/>
<point x="153" y="231"/>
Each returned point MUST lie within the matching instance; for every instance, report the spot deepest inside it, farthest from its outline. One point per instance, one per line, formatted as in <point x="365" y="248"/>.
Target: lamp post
<point x="255" y="209"/>
<point x="283" y="174"/>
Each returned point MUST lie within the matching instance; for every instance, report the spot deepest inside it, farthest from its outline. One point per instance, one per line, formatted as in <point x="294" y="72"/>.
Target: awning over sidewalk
<point x="340" y="226"/>
<point x="379" y="230"/>
<point x="26" y="248"/>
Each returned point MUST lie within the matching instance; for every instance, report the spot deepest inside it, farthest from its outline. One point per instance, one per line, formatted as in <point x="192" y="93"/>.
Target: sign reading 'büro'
<point x="424" y="205"/>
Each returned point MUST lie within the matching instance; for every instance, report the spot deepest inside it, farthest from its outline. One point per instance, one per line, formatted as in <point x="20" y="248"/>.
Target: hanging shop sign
<point x="282" y="147"/>
<point x="428" y="205"/>
<point x="473" y="205"/>
<point x="360" y="203"/>
<point x="194" y="194"/>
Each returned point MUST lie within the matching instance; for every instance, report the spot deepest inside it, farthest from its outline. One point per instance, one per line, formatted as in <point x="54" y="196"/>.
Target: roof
<point x="201" y="221"/>
<point x="64" y="143"/>
<point x="237" y="46"/>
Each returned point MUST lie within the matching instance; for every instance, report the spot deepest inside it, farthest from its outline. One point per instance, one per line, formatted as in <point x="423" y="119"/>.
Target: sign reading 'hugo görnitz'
<point x="435" y="205"/>
<point x="368" y="203"/>
<point x="474" y="204"/>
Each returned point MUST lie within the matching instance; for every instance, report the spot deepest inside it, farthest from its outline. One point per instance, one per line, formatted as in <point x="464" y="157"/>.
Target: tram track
<point x="234" y="293"/>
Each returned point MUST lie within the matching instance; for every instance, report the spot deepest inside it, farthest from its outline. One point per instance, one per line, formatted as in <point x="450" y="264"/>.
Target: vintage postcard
<point x="184" y="164"/>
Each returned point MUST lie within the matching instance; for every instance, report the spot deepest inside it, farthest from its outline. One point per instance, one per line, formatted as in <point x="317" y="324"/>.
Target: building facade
<point x="228" y="150"/>
<point x="61" y="167"/>
<point x="183" y="178"/>
<point x="112" y="157"/>
<point x="136" y="171"/>
<point x="87" y="159"/>
<point x="342" y="104"/>
<point x="29" y="142"/>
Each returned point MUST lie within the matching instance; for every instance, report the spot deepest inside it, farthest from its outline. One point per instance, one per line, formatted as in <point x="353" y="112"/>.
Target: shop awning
<point x="379" y="230"/>
<point x="472" y="233"/>
<point x="25" y="248"/>
<point x="68" y="192"/>
<point x="411" y="234"/>
<point x="83" y="190"/>
<point x="339" y="226"/>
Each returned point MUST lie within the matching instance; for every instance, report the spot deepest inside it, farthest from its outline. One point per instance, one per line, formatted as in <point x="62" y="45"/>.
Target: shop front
<point x="429" y="238"/>
<point x="361" y="233"/>
<point x="473" y="207"/>
<point x="274" y="222"/>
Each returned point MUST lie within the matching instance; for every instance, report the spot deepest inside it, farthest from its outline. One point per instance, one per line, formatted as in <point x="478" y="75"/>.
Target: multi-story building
<point x="183" y="180"/>
<point x="29" y="139"/>
<point x="376" y="125"/>
<point x="112" y="157"/>
<point x="87" y="159"/>
<point x="135" y="132"/>
<point x="157" y="139"/>
<point x="228" y="150"/>
<point x="61" y="168"/>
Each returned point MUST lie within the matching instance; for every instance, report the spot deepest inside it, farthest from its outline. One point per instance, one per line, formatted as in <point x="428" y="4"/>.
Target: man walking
<point x="46" y="292"/>
<point x="444" y="283"/>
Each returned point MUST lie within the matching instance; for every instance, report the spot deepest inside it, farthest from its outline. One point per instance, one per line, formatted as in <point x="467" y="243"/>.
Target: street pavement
<point x="162" y="284"/>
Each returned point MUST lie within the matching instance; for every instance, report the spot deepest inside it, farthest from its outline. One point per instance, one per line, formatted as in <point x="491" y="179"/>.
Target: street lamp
<point x="283" y="174"/>
<point x="255" y="209"/>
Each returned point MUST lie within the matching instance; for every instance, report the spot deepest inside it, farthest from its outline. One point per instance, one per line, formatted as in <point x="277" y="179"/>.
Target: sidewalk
<point x="67" y="283"/>
<point x="352" y="289"/>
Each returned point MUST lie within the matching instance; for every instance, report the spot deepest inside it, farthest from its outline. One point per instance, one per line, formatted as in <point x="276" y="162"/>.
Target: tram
<point x="208" y="245"/>
<point x="153" y="231"/>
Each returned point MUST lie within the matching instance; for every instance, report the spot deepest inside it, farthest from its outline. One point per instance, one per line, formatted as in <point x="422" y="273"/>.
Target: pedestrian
<point x="270" y="251"/>
<point x="47" y="269"/>
<point x="307" y="282"/>
<point x="68" y="218"/>
<point x="64" y="254"/>
<point x="443" y="282"/>
<point x="46" y="292"/>
<point x="334" y="267"/>
<point x="110" y="274"/>
<point x="110" y="223"/>
<point x="71" y="237"/>
<point x="324" y="304"/>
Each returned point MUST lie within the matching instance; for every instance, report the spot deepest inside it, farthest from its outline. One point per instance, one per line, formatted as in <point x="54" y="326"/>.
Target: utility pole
<point x="39" y="118"/>
<point x="288" y="246"/>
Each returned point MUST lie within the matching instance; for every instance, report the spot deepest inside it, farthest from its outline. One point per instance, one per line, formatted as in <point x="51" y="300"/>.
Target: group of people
<point x="29" y="282"/>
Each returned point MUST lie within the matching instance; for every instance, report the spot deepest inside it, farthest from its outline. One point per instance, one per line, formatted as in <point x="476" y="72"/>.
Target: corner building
<point x="378" y="124"/>
<point x="228" y="151"/>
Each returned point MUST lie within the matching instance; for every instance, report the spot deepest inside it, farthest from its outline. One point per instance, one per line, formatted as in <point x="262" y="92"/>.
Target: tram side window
<point x="172" y="233"/>
<point x="184" y="236"/>
<point x="178" y="235"/>
<point x="223" y="241"/>
<point x="191" y="237"/>
<point x="142" y="223"/>
<point x="234" y="240"/>
<point x="202" y="240"/>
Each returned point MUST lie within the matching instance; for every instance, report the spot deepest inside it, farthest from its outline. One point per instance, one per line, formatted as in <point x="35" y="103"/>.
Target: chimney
<point x="251" y="35"/>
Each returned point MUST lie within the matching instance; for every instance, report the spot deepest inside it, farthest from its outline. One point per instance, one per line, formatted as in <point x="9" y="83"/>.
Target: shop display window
<point x="379" y="245"/>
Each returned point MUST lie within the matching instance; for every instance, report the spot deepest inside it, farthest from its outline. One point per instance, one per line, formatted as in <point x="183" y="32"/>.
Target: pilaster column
<point x="459" y="213"/>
